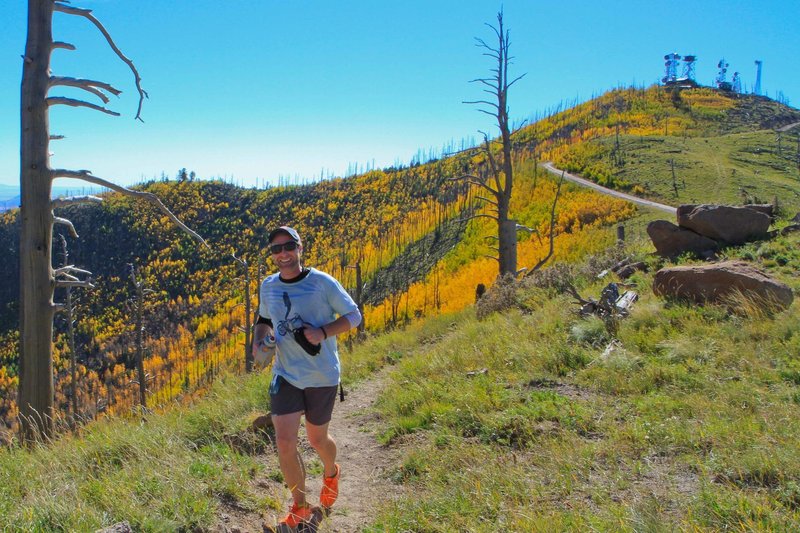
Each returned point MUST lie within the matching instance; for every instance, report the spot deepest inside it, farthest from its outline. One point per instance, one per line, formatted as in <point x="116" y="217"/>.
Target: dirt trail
<point x="611" y="192"/>
<point x="364" y="462"/>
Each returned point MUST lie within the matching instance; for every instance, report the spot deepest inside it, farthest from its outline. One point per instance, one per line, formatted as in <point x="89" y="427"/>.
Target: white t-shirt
<point x="315" y="299"/>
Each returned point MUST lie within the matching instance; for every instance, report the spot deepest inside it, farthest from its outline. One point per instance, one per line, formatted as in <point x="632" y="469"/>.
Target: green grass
<point x="168" y="473"/>
<point x="523" y="421"/>
<point x="734" y="168"/>
<point x="692" y="421"/>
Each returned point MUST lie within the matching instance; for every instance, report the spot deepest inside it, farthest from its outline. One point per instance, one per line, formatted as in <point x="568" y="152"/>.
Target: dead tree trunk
<point x="496" y="174"/>
<point x="69" y="312"/>
<point x="36" y="273"/>
<point x="37" y="277"/>
<point x="139" y="339"/>
<point x="248" y="317"/>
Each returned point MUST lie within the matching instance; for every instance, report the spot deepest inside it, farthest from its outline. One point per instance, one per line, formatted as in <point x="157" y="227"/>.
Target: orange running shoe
<point x="330" y="489"/>
<point x="298" y="514"/>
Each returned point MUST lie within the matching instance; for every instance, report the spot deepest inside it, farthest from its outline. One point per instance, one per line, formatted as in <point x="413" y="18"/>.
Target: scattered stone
<point x="790" y="228"/>
<point x="121" y="527"/>
<point x="261" y="423"/>
<point x="671" y="240"/>
<point x="481" y="372"/>
<point x="717" y="283"/>
<point x="729" y="224"/>
<point x="626" y="271"/>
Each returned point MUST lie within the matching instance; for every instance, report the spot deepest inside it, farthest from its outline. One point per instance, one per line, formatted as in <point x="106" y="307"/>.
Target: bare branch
<point x="520" y="227"/>
<point x="56" y="137"/>
<point x="515" y="80"/>
<point x="242" y="262"/>
<point x="483" y="102"/>
<point x="475" y="180"/>
<point x="68" y="224"/>
<point x="570" y="288"/>
<point x="543" y="260"/>
<point x="67" y="283"/>
<point x="71" y="268"/>
<point x="487" y="112"/>
<point x="54" y="100"/>
<point x="479" y="215"/>
<point x="74" y="200"/>
<point x="68" y="277"/>
<point x="486" y="82"/>
<point x="87" y="13"/>
<point x="65" y="46"/>
<point x="491" y="257"/>
<point x="486" y="200"/>
<point x="85" y="175"/>
<point x="92" y="86"/>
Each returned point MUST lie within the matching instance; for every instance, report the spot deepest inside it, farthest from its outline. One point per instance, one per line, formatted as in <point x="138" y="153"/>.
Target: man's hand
<point x="313" y="335"/>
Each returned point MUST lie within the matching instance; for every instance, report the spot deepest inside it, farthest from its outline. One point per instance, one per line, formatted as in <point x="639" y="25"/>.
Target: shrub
<point x="502" y="296"/>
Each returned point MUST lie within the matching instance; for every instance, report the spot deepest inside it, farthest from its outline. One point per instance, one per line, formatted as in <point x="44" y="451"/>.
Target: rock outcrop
<point x="671" y="240"/>
<point x="720" y="282"/>
<point x="725" y="223"/>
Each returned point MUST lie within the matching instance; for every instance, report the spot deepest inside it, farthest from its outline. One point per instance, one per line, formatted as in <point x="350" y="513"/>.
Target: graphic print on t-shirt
<point x="289" y="324"/>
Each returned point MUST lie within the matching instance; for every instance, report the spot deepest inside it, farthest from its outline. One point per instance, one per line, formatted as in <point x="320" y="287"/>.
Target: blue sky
<point x="250" y="90"/>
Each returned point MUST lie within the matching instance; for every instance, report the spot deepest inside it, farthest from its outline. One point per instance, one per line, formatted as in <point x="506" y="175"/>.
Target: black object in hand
<point x="300" y="338"/>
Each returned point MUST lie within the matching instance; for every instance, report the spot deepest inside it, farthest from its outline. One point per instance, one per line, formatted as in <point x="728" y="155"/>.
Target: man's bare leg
<point x="286" y="430"/>
<point x="323" y="443"/>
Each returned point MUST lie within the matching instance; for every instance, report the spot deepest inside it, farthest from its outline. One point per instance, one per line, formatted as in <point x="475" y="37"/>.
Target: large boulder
<point x="729" y="224"/>
<point x="717" y="283"/>
<point x="671" y="240"/>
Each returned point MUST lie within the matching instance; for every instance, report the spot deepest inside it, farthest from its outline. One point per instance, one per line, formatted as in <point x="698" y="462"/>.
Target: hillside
<point x="400" y="225"/>
<point x="532" y="419"/>
<point x="676" y="147"/>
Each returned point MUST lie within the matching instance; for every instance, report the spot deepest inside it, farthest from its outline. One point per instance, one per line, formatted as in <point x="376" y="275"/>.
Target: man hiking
<point x="299" y="307"/>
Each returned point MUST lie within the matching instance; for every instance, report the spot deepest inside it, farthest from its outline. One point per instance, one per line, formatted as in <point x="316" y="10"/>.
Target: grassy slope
<point x="725" y="147"/>
<point x="730" y="168"/>
<point x="691" y="422"/>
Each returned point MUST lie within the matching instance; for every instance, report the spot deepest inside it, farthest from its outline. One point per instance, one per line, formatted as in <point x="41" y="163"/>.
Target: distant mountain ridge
<point x="10" y="194"/>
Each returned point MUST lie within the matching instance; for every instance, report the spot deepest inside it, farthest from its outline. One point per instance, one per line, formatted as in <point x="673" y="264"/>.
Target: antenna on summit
<point x="671" y="62"/>
<point x="757" y="88"/>
<point x="721" y="80"/>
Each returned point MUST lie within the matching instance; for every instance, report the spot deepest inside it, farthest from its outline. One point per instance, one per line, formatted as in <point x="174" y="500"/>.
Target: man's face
<point x="285" y="260"/>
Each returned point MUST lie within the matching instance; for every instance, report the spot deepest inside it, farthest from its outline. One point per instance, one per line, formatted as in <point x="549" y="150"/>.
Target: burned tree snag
<point x="248" y="317"/>
<point x="37" y="276"/>
<point x="495" y="175"/>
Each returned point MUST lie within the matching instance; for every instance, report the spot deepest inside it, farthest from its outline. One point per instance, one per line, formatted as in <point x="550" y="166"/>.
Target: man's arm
<point x="262" y="328"/>
<point x="331" y="329"/>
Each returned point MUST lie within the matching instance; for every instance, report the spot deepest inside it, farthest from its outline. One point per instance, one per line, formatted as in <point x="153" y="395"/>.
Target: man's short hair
<point x="291" y="232"/>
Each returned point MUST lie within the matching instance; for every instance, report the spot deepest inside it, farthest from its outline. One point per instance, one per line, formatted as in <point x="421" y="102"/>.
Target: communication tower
<point x="688" y="68"/>
<point x="757" y="88"/>
<point x="721" y="81"/>
<point x="671" y="62"/>
<point x="736" y="83"/>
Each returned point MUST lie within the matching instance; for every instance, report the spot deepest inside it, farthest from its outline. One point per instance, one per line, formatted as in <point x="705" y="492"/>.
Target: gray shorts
<point x="315" y="402"/>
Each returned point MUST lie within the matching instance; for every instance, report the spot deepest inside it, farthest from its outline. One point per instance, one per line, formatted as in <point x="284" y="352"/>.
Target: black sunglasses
<point x="288" y="246"/>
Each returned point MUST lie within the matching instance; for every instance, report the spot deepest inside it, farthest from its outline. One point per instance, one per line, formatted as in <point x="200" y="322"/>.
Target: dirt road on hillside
<point x="365" y="467"/>
<point x="586" y="183"/>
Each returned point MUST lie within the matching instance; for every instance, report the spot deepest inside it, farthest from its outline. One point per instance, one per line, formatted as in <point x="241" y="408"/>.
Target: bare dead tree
<point x="138" y="305"/>
<point x="248" y="316"/>
<point x="547" y="257"/>
<point x="37" y="276"/>
<point x="69" y="313"/>
<point x="495" y="176"/>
